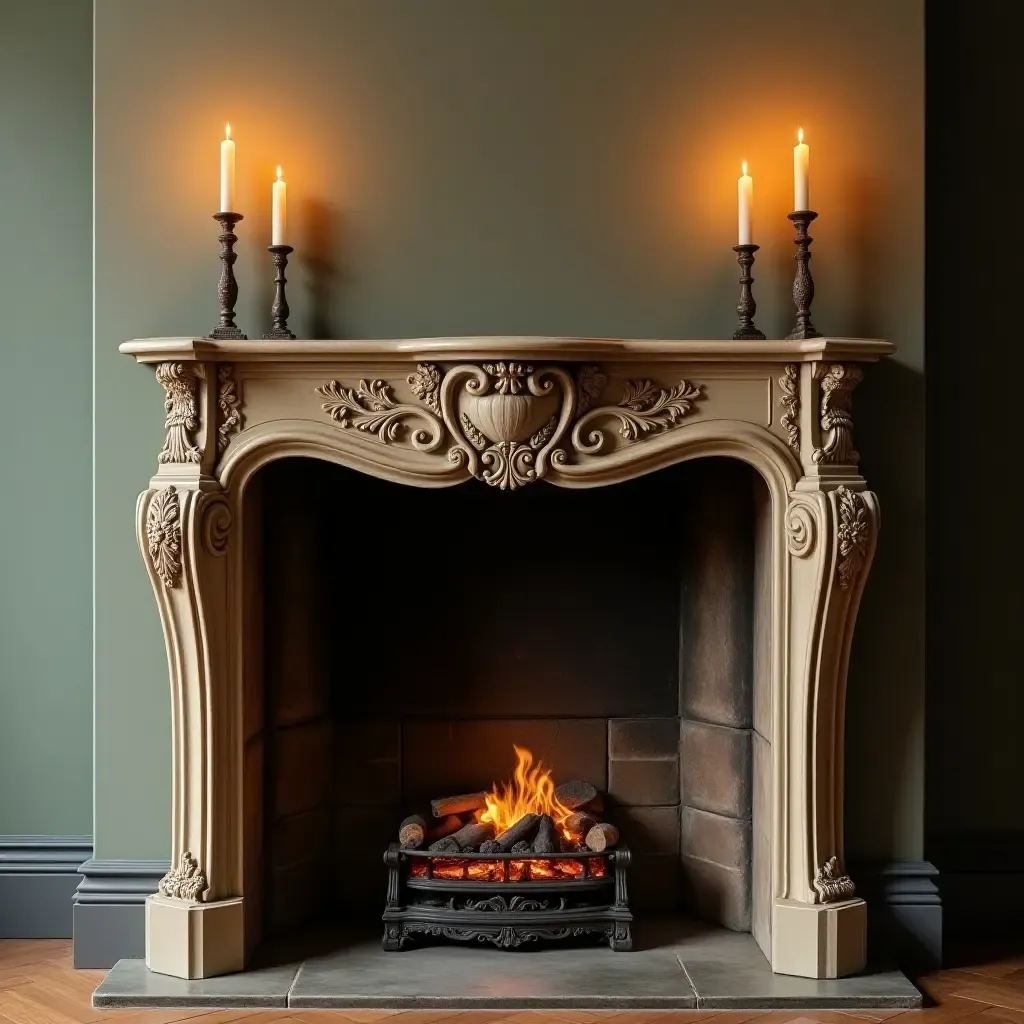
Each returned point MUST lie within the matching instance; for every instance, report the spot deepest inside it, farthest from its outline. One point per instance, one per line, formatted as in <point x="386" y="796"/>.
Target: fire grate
<point x="507" y="899"/>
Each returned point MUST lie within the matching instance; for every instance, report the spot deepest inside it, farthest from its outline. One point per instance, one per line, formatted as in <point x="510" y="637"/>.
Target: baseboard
<point x="905" y="911"/>
<point x="982" y="879"/>
<point x="38" y="877"/>
<point x="109" y="910"/>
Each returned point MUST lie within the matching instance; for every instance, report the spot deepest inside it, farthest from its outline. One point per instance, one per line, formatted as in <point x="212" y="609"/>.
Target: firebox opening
<point x="412" y="637"/>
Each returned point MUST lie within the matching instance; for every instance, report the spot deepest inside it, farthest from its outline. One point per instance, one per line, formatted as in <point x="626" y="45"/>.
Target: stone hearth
<point x="511" y="413"/>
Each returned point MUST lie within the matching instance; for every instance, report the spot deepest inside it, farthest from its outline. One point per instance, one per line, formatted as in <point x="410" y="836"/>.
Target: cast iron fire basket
<point x="507" y="899"/>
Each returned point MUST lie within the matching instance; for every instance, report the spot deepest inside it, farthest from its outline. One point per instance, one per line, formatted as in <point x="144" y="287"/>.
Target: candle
<point x="227" y="172"/>
<point x="801" y="159"/>
<point x="279" y="196"/>
<point x="746" y="197"/>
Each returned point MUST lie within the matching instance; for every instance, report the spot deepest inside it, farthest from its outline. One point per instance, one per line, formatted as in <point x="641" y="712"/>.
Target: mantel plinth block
<point x="827" y="940"/>
<point x="194" y="940"/>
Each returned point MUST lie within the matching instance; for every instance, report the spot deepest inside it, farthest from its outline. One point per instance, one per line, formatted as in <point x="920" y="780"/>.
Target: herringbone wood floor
<point x="39" y="986"/>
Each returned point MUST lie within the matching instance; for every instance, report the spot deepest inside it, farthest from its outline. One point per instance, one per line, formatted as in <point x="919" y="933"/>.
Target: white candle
<point x="279" y="218"/>
<point x="746" y="197"/>
<point x="227" y="172"/>
<point x="801" y="160"/>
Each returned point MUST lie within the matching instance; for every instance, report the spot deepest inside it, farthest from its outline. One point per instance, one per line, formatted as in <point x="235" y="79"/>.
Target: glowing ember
<point x="531" y="870"/>
<point x="531" y="791"/>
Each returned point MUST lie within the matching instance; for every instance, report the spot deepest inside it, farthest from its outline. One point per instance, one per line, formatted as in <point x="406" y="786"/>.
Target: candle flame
<point x="744" y="168"/>
<point x="279" y="173"/>
<point x="227" y="131"/>
<point x="800" y="135"/>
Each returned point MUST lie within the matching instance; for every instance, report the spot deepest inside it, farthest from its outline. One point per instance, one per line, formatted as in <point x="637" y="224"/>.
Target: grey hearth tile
<point x="130" y="983"/>
<point x="473" y="977"/>
<point x="729" y="971"/>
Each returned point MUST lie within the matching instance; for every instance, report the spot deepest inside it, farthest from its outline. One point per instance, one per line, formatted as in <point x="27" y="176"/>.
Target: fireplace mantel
<point x="512" y="412"/>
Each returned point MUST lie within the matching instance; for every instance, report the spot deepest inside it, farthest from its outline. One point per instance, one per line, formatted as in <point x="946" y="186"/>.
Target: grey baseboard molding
<point x="109" y="910"/>
<point x="38" y="877"/>
<point x="905" y="911"/>
<point x="982" y="881"/>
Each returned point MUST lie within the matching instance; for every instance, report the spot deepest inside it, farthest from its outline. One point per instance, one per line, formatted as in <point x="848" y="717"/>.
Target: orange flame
<point x="531" y="791"/>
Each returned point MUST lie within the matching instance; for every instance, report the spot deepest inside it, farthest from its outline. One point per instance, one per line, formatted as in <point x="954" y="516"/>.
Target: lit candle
<point x="801" y="159"/>
<point x="746" y="195"/>
<point x="279" y="195"/>
<point x="227" y="172"/>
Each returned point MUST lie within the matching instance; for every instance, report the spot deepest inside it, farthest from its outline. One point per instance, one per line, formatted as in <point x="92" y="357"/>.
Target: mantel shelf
<point x="159" y="350"/>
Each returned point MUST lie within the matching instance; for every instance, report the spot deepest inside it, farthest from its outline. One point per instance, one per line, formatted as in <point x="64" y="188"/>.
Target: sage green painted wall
<point x="510" y="166"/>
<point x="46" y="417"/>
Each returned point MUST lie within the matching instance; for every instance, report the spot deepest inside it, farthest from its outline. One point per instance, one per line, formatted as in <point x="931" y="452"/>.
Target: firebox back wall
<point x="414" y="635"/>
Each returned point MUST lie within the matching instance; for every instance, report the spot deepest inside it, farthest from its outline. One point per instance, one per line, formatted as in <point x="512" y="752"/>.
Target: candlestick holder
<point x="279" y="310"/>
<point x="803" y="283"/>
<point x="745" y="329"/>
<point x="227" y="288"/>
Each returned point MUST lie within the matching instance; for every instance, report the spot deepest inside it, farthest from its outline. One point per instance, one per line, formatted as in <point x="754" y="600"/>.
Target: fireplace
<point x="290" y="643"/>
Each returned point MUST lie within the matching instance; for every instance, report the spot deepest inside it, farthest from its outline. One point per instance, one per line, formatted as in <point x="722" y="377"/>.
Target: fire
<point x="531" y="791"/>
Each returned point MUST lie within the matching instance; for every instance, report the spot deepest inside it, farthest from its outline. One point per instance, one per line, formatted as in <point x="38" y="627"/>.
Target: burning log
<point x="445" y="805"/>
<point x="469" y="837"/>
<point x="579" y="823"/>
<point x="575" y="795"/>
<point x="602" y="837"/>
<point x="521" y="847"/>
<point x="547" y="835"/>
<point x="414" y="831"/>
<point x="521" y="831"/>
<point x="570" y="845"/>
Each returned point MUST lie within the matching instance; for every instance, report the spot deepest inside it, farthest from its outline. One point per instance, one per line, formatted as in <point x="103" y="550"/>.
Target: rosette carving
<point x="426" y="386"/>
<point x="852" y="533"/>
<point x="789" y="385"/>
<point x="643" y="409"/>
<point x="186" y="881"/>
<point x="163" y="536"/>
<point x="371" y="407"/>
<point x="229" y="405"/>
<point x="180" y="403"/>
<point x="836" y="415"/>
<point x="507" y="419"/>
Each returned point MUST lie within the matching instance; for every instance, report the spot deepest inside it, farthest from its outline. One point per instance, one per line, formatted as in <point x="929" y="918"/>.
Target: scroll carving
<point x="371" y="407"/>
<point x="181" y="406"/>
<point x="836" y="415"/>
<point x="163" y="536"/>
<point x="643" y="409"/>
<point x="801" y="529"/>
<point x="229" y="404"/>
<point x="216" y="526"/>
<point x="852" y="535"/>
<point x="186" y="881"/>
<point x="831" y="885"/>
<point x="789" y="384"/>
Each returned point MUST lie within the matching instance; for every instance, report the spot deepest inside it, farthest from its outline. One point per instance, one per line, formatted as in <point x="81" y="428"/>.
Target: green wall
<point x="45" y="410"/>
<point x="509" y="166"/>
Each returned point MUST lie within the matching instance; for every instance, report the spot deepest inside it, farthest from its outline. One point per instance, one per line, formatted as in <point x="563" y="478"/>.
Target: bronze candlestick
<point x="279" y="310"/>
<point x="803" y="283"/>
<point x="227" y="289"/>
<point x="745" y="329"/>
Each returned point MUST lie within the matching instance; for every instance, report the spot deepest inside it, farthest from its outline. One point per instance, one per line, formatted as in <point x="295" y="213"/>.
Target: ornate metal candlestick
<point x="745" y="329"/>
<point x="279" y="310"/>
<point x="227" y="289"/>
<point x="803" y="283"/>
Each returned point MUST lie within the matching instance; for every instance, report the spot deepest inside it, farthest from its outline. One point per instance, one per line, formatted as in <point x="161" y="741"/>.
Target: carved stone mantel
<point x="511" y="412"/>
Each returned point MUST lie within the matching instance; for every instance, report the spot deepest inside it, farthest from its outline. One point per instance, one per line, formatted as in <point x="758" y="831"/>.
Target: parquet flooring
<point x="39" y="986"/>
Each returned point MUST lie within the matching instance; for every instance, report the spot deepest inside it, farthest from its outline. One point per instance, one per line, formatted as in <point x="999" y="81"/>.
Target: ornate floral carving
<point x="852" y="535"/>
<point x="643" y="409"/>
<point x="590" y="382"/>
<point x="180" y="404"/>
<point x="501" y="905"/>
<point x="830" y="885"/>
<point x="425" y="384"/>
<point x="163" y="535"/>
<point x="505" y="936"/>
<point x="510" y="378"/>
<point x="229" y="404"/>
<point x="789" y="384"/>
<point x="836" y="416"/>
<point x="186" y="881"/>
<point x="371" y="407"/>
<point x="476" y="439"/>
